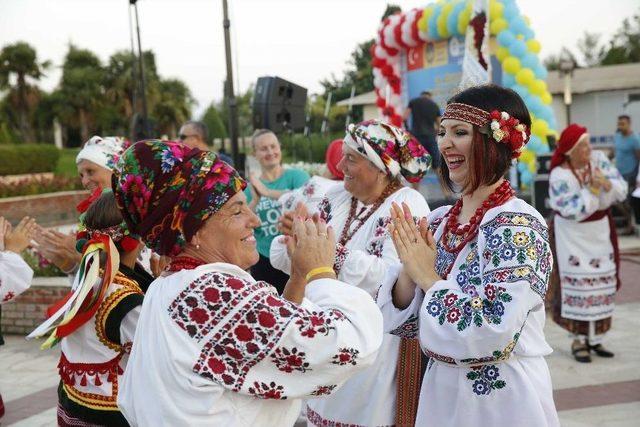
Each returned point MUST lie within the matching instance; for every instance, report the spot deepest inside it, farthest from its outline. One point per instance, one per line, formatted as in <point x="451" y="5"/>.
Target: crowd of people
<point x="200" y="297"/>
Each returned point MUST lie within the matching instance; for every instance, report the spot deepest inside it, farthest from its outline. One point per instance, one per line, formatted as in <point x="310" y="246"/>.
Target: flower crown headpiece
<point x="119" y="233"/>
<point x="499" y="125"/>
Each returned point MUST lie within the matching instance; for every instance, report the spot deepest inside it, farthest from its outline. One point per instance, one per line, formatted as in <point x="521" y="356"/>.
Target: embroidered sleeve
<point x="478" y="315"/>
<point x="254" y="342"/>
<point x="15" y="276"/>
<point x="402" y="323"/>
<point x="571" y="200"/>
<point x="118" y="314"/>
<point x="619" y="187"/>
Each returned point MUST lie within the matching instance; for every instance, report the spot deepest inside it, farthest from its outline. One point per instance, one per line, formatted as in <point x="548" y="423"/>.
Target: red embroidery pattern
<point x="319" y="323"/>
<point x="70" y="372"/>
<point x="267" y="391"/>
<point x="251" y="334"/>
<point x="290" y="360"/>
<point x="346" y="356"/>
<point x="341" y="256"/>
<point x="316" y="419"/>
<point x="324" y="390"/>
<point x="206" y="301"/>
<point x="9" y="296"/>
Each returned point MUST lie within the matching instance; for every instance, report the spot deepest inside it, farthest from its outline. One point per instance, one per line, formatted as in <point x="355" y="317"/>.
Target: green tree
<point x="173" y="106"/>
<point x="20" y="60"/>
<point x="624" y="47"/>
<point x="82" y="87"/>
<point x="245" y="112"/>
<point x="212" y="119"/>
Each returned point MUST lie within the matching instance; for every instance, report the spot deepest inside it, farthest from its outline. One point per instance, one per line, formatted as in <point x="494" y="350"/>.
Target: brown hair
<point x="103" y="213"/>
<point x="490" y="160"/>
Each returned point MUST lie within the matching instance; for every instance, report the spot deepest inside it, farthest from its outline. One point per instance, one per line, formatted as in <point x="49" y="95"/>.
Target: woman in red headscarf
<point x="582" y="187"/>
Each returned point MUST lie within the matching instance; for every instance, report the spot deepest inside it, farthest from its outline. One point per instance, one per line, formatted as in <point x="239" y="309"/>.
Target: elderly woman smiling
<point x="377" y="160"/>
<point x="213" y="346"/>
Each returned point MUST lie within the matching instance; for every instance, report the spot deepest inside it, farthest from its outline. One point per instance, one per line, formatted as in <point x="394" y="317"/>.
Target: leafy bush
<point x="301" y="148"/>
<point x="41" y="267"/>
<point x="31" y="186"/>
<point x="28" y="158"/>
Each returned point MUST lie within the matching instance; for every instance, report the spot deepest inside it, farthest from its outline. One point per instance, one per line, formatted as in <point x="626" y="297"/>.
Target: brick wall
<point x="48" y="209"/>
<point x="26" y="311"/>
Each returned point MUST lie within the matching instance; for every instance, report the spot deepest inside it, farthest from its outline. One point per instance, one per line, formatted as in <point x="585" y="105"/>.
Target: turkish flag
<point x="415" y="58"/>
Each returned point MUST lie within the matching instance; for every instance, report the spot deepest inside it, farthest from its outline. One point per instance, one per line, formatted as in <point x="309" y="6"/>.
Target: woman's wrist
<point x="320" y="273"/>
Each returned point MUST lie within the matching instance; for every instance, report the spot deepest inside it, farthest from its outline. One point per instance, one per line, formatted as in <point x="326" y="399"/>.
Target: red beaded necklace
<point x="184" y="263"/>
<point x="586" y="175"/>
<point x="465" y="233"/>
<point x="346" y="234"/>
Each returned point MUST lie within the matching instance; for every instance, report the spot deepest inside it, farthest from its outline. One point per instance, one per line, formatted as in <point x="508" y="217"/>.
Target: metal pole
<point x="231" y="99"/>
<point x="143" y="91"/>
<point x="134" y="80"/>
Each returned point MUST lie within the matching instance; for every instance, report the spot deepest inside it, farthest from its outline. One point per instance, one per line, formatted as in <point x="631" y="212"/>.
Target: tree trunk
<point x="23" y="111"/>
<point x="84" y="128"/>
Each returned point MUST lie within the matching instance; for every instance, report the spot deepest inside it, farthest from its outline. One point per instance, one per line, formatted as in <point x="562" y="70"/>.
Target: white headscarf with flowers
<point x="104" y="152"/>
<point x="391" y="149"/>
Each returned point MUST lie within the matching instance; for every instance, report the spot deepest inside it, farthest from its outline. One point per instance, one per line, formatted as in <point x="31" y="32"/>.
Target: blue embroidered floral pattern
<point x="485" y="379"/>
<point x="516" y="249"/>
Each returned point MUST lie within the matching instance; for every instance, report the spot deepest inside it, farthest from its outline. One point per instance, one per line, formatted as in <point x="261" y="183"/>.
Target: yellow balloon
<point x="527" y="20"/>
<point x="446" y="10"/>
<point x="498" y="25"/>
<point x="540" y="128"/>
<point x="546" y="98"/>
<point x="525" y="76"/>
<point x="511" y="65"/>
<point x="538" y="87"/>
<point x="533" y="45"/>
<point x="463" y="21"/>
<point x="422" y="24"/>
<point x="442" y="26"/>
<point x="532" y="167"/>
<point x="502" y="53"/>
<point x="495" y="10"/>
<point x="527" y="156"/>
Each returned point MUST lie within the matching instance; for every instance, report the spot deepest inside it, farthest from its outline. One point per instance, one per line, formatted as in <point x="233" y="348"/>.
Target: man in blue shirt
<point x="627" y="150"/>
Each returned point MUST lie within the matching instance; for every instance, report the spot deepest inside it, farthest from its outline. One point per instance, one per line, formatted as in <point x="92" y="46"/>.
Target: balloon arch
<point x="515" y="51"/>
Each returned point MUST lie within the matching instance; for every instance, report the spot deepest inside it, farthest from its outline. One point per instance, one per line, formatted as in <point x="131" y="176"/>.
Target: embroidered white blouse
<point x="214" y="347"/>
<point x="15" y="276"/>
<point x="482" y="327"/>
<point x="369" y="398"/>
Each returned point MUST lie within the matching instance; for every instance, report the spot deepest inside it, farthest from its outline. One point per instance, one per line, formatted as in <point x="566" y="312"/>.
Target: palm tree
<point x="173" y="106"/>
<point x="20" y="59"/>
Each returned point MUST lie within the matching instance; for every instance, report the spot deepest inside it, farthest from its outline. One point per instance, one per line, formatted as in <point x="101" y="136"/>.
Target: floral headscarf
<point x="391" y="149"/>
<point x="166" y="191"/>
<point x="104" y="152"/>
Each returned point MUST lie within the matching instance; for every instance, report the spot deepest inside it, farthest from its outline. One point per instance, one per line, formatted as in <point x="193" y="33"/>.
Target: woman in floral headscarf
<point x="378" y="160"/>
<point x="213" y="346"/>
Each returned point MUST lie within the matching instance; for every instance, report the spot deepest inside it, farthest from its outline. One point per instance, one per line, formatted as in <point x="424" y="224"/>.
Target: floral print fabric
<point x="166" y="190"/>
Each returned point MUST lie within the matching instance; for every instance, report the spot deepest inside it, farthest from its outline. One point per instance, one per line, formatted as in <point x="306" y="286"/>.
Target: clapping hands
<point x="18" y="239"/>
<point x="416" y="246"/>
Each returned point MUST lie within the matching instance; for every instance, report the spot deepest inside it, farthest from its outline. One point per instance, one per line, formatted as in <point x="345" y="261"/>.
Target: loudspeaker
<point x="540" y="195"/>
<point x="279" y="105"/>
<point x="543" y="164"/>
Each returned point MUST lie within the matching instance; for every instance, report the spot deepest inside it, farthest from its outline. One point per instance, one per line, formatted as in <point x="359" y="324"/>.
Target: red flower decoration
<point x="84" y="205"/>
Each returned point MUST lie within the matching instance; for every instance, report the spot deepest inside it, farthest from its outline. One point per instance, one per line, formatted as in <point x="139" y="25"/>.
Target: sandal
<point x="580" y="352"/>
<point x="601" y="351"/>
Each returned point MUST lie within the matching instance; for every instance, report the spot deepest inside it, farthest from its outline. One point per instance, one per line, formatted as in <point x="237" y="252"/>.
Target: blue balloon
<point x="521" y="167"/>
<point x="518" y="48"/>
<point x="544" y="149"/>
<point x="510" y="11"/>
<point x="539" y="70"/>
<point x="452" y="20"/>
<point x="505" y="38"/>
<point x="534" y="144"/>
<point x="508" y="80"/>
<point x="520" y="90"/>
<point x="530" y="60"/>
<point x="526" y="178"/>
<point x="529" y="34"/>
<point x="433" y="25"/>
<point x="518" y="25"/>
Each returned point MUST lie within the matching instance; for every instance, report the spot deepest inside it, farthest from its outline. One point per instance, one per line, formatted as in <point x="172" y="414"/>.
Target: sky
<point x="303" y="41"/>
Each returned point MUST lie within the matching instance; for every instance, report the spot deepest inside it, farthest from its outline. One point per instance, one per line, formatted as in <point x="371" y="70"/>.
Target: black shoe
<point x="601" y="351"/>
<point x="581" y="353"/>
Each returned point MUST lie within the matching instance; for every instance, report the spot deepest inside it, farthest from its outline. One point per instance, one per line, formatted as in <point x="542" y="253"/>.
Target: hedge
<point x="306" y="149"/>
<point x="28" y="158"/>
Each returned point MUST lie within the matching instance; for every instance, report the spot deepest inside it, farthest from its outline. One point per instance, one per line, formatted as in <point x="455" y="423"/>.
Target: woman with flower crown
<point x="474" y="276"/>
